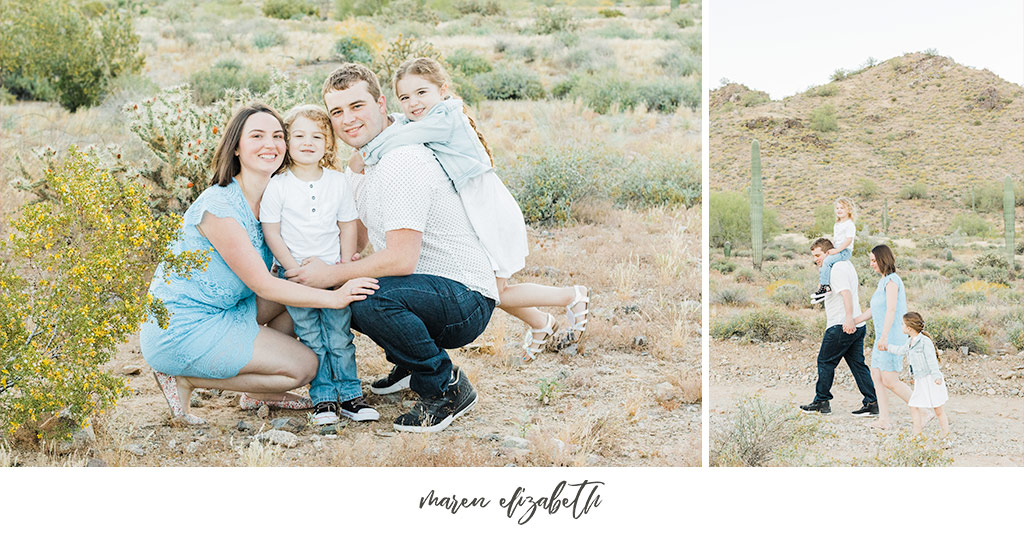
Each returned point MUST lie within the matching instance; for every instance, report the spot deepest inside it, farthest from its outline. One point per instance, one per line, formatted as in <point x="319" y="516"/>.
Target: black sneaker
<point x="818" y="406"/>
<point x="434" y="414"/>
<point x="357" y="410"/>
<point x="396" y="381"/>
<point x="325" y="413"/>
<point x="819" y="295"/>
<point x="868" y="410"/>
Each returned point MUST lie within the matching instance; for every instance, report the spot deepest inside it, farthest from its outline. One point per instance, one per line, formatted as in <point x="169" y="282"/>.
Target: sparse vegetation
<point x="761" y="325"/>
<point x="823" y="119"/>
<point x="762" y="433"/>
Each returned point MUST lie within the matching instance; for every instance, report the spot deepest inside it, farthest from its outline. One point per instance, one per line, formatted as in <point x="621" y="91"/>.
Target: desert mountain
<point x="912" y="120"/>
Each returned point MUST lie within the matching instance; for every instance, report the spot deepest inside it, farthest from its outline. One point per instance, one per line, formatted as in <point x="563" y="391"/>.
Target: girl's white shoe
<point x="578" y="319"/>
<point x="532" y="344"/>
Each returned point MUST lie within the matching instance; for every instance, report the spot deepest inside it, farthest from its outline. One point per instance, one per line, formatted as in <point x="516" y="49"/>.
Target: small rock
<point x="171" y="443"/>
<point x="394" y="398"/>
<point x="192" y="447"/>
<point x="640" y="342"/>
<point x="263" y="412"/>
<point x="243" y="426"/>
<point x="135" y="449"/>
<point x="131" y="370"/>
<point x="195" y="401"/>
<point x="332" y="430"/>
<point x="515" y="442"/>
<point x="408" y="404"/>
<point x="665" y="392"/>
<point x="206" y="394"/>
<point x="559" y="446"/>
<point x="96" y="463"/>
<point x="991" y="391"/>
<point x="289" y="423"/>
<point x="314" y="438"/>
<point x="493" y="437"/>
<point x="570" y="350"/>
<point x="385" y="434"/>
<point x="279" y="437"/>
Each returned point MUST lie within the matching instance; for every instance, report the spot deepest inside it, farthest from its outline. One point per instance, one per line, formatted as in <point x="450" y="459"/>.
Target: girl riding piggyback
<point x="436" y="118"/>
<point x="843" y="233"/>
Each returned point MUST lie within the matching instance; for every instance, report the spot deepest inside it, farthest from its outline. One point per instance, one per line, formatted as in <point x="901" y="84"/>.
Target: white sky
<point x="785" y="46"/>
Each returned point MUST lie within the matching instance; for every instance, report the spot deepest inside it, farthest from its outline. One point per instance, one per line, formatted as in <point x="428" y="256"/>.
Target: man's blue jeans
<point x="836" y="345"/>
<point x="414" y="318"/>
<point x="326" y="332"/>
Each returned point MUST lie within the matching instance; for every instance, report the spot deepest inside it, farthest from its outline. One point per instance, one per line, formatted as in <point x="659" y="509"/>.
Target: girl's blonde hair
<point x="847" y="203"/>
<point x="434" y="72"/>
<point x="317" y="115"/>
<point x="915" y="322"/>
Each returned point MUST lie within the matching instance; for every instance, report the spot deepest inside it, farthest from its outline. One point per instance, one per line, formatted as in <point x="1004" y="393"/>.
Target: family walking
<point x="898" y="333"/>
<point x="284" y="227"/>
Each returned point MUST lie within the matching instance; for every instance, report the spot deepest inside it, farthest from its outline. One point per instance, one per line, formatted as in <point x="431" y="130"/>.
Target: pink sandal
<point x="250" y="403"/>
<point x="169" y="385"/>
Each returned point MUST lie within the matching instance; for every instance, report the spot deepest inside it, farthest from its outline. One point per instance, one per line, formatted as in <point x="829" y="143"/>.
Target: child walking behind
<point x="308" y="211"/>
<point x="929" y="385"/>
<point x="437" y="119"/>
<point x="843" y="232"/>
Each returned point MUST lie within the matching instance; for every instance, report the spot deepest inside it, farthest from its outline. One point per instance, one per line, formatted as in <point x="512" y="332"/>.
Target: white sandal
<point x="576" y="326"/>
<point x="533" y="345"/>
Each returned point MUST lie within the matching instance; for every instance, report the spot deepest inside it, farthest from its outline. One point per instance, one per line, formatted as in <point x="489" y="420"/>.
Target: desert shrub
<point x="991" y="259"/>
<point x="828" y="90"/>
<point x="969" y="224"/>
<point x="344" y="9"/>
<point x="548" y="20"/>
<point x="469" y="62"/>
<point x="288" y="9"/>
<point x="989" y="197"/>
<point x="213" y="84"/>
<point x="73" y="275"/>
<point x="950" y="332"/>
<point x="601" y="91"/>
<point x="682" y="20"/>
<point x="363" y="31"/>
<point x="481" y="7"/>
<point x="824" y="219"/>
<point x="1015" y="335"/>
<point x="564" y="87"/>
<point x="723" y="265"/>
<point x="866" y="188"/>
<point x="53" y="51"/>
<point x="992" y="275"/>
<point x="823" y="119"/>
<point x="399" y="11"/>
<point x="754" y="98"/>
<point x="665" y="95"/>
<point x="790" y="295"/>
<point x="650" y="182"/>
<point x="679" y="62"/>
<point x="402" y="48"/>
<point x="954" y="269"/>
<point x="760" y="433"/>
<point x="916" y="191"/>
<point x="975" y="291"/>
<point x="610" y="13"/>
<point x="509" y="83"/>
<point x="548" y="183"/>
<point x="730" y="296"/>
<point x="617" y="31"/>
<point x="353" y="49"/>
<point x="527" y="53"/>
<point x="906" y="451"/>
<point x="928" y="264"/>
<point x="590" y="58"/>
<point x="761" y="325"/>
<point x="265" y="40"/>
<point x="729" y="214"/>
<point x="745" y="275"/>
<point x="570" y="39"/>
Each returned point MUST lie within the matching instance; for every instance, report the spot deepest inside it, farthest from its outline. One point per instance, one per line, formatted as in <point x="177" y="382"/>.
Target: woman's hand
<point x="938" y="382"/>
<point x="355" y="290"/>
<point x="355" y="162"/>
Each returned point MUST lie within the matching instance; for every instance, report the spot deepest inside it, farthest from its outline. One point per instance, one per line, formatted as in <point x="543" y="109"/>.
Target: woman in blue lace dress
<point x="228" y="328"/>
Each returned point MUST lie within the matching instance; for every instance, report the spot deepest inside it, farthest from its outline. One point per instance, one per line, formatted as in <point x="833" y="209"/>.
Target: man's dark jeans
<point x="836" y="345"/>
<point x="414" y="318"/>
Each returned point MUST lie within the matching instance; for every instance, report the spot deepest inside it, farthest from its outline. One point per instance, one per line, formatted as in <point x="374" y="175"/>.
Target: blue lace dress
<point x="884" y="360"/>
<point x="213" y="314"/>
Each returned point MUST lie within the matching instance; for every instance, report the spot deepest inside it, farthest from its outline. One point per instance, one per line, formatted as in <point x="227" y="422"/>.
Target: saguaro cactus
<point x="1008" y="204"/>
<point x="885" y="216"/>
<point x="756" y="205"/>
<point x="727" y="248"/>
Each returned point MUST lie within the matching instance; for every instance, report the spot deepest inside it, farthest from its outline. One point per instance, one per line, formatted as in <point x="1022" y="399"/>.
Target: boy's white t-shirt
<point x="844" y="278"/>
<point x="842" y="231"/>
<point x="309" y="212"/>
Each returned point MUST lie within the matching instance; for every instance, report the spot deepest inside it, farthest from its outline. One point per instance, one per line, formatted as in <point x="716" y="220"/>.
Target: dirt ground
<point x="987" y="429"/>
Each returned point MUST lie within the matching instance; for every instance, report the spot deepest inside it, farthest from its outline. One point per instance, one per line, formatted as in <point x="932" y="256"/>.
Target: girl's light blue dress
<point x="213" y="314"/>
<point x="884" y="360"/>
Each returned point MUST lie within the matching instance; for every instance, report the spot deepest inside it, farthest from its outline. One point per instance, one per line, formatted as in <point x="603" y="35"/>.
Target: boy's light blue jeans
<point x="327" y="333"/>
<point x="825" y="272"/>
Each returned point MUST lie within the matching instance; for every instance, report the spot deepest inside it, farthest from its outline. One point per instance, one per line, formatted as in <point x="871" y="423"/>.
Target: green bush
<point x="469" y="62"/>
<point x="344" y="9"/>
<point x="650" y="182"/>
<point x="549" y="183"/>
<point x="993" y="260"/>
<point x="866" y="188"/>
<point x="903" y="450"/>
<point x="617" y="31"/>
<point x="554" y="19"/>
<point x="353" y="49"/>
<point x="53" y="51"/>
<point x="213" y="84"/>
<point x="723" y="265"/>
<point x="288" y="9"/>
<point x="969" y="224"/>
<point x="481" y="7"/>
<point x="790" y="295"/>
<point x="754" y="98"/>
<point x="823" y="119"/>
<point x="989" y="197"/>
<point x="916" y="191"/>
<point x="730" y="296"/>
<point x="666" y="95"/>
<point x="824" y="219"/>
<point x="682" y="20"/>
<point x="609" y="13"/>
<point x="74" y="277"/>
<point x="950" y="332"/>
<point x="768" y="325"/>
<point x="954" y="269"/>
<point x="400" y="11"/>
<point x="1015" y="335"/>
<point x="509" y="83"/>
<point x="761" y="433"/>
<point x="601" y="91"/>
<point x="265" y="40"/>
<point x="679" y="62"/>
<point x="729" y="220"/>
<point x="398" y="51"/>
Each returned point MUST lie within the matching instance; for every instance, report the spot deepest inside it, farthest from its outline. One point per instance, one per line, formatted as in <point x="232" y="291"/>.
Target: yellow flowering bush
<point x="361" y="30"/>
<point x="73" y="284"/>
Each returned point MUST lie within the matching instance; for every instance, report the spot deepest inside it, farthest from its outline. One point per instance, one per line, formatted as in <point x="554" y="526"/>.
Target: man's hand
<point x="849" y="326"/>
<point x="313" y="273"/>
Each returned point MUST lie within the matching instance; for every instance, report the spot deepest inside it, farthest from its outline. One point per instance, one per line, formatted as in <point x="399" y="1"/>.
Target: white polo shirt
<point x="309" y="212"/>
<point x="844" y="278"/>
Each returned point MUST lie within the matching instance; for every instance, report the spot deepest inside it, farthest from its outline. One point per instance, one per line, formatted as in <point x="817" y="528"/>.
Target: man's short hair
<point x="348" y="74"/>
<point x="822" y="243"/>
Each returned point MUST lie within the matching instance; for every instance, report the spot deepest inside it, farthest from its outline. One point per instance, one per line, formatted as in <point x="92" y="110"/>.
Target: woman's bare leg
<point x="521" y="300"/>
<point x="279" y="363"/>
<point x="883" y="399"/>
<point x="891" y="379"/>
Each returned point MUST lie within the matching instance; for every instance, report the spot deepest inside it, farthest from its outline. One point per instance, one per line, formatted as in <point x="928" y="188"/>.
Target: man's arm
<point x="848" y="325"/>
<point x="398" y="258"/>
